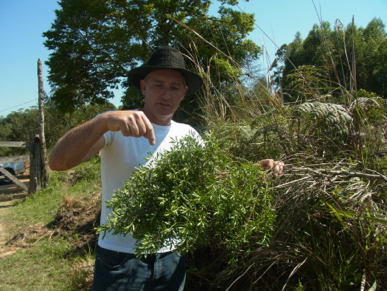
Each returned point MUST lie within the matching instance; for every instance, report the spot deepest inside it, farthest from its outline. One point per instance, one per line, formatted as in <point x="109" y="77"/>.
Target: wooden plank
<point x="14" y="144"/>
<point x="5" y="198"/>
<point x="20" y="196"/>
<point x="13" y="178"/>
<point x="14" y="159"/>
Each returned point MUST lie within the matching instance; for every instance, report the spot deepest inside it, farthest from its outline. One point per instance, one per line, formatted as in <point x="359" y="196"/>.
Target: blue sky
<point x="22" y="23"/>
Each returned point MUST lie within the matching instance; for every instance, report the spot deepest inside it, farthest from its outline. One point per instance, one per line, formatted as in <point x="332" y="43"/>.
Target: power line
<point x="17" y="105"/>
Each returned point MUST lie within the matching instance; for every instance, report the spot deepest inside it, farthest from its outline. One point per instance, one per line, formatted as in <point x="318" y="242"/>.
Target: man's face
<point x="163" y="91"/>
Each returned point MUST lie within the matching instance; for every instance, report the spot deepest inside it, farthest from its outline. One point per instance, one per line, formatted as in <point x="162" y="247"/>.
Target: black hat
<point x="166" y="58"/>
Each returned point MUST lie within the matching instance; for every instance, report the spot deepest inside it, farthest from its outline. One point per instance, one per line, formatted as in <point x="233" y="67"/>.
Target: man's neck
<point x="154" y="119"/>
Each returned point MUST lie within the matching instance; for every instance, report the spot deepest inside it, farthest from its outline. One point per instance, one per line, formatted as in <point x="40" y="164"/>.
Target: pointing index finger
<point x="149" y="134"/>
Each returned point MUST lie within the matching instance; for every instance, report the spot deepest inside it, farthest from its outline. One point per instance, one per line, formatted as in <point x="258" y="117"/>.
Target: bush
<point x="198" y="195"/>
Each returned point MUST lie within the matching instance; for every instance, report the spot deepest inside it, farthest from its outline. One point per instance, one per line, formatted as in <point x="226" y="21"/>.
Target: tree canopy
<point x="20" y="125"/>
<point x="347" y="59"/>
<point x="95" y="43"/>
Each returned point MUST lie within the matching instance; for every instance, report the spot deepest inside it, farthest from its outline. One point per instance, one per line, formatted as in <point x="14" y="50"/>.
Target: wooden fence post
<point x="35" y="165"/>
<point x="44" y="163"/>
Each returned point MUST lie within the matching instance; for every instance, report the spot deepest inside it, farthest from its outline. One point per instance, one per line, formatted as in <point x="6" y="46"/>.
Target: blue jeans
<point x="121" y="271"/>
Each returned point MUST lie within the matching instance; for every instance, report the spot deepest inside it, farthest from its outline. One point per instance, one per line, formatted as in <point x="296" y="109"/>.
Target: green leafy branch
<point x="193" y="196"/>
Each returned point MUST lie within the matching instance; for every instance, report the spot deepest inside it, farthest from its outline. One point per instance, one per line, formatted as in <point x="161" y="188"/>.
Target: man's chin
<point x="164" y="114"/>
<point x="165" y="110"/>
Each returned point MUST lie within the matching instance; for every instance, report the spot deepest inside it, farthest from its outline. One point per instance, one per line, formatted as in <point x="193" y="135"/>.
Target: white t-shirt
<point x="119" y="158"/>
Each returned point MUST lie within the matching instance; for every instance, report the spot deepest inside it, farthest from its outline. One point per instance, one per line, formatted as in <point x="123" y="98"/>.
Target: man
<point x="164" y="82"/>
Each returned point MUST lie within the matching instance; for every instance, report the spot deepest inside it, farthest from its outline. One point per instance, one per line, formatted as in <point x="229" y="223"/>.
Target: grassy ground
<point x="51" y="252"/>
<point x="313" y="246"/>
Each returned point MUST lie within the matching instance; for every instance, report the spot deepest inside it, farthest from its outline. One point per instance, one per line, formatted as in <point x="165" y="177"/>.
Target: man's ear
<point x="186" y="89"/>
<point x="143" y="86"/>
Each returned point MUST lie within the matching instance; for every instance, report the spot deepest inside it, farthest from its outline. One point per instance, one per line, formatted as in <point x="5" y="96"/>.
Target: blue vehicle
<point x="14" y="169"/>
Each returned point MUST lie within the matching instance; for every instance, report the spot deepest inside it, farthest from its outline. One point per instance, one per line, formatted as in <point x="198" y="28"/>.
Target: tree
<point x="332" y="52"/>
<point x="95" y="43"/>
<point x="19" y="125"/>
<point x="371" y="45"/>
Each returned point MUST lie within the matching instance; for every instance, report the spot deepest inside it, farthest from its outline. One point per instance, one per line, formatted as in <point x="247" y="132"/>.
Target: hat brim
<point x="194" y="81"/>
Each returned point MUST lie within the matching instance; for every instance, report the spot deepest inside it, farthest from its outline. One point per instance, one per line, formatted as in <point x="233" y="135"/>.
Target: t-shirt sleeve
<point x="109" y="137"/>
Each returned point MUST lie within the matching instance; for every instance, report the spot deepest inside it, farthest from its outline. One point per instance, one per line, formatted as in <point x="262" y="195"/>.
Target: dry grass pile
<point x="76" y="221"/>
<point x="29" y="236"/>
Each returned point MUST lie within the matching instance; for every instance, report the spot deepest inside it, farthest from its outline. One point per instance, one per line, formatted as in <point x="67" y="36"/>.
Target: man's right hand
<point x="82" y="142"/>
<point x="130" y="123"/>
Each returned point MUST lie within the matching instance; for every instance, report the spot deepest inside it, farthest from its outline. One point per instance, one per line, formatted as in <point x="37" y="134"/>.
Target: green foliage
<point x="330" y="226"/>
<point x="95" y="43"/>
<point x="332" y="50"/>
<point x="308" y="83"/>
<point x="369" y="117"/>
<point x="194" y="197"/>
<point x="322" y="224"/>
<point x="364" y="93"/>
<point x="323" y="126"/>
<point x="319" y="130"/>
<point x="20" y="125"/>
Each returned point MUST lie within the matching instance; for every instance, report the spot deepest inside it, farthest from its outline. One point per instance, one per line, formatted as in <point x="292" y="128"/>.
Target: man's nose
<point x="167" y="93"/>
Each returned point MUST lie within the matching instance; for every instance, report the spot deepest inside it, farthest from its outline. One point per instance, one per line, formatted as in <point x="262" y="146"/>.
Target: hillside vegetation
<point x="322" y="225"/>
<point x="327" y="229"/>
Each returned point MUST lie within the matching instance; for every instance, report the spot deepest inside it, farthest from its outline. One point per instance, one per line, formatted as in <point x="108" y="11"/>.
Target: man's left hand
<point x="270" y="164"/>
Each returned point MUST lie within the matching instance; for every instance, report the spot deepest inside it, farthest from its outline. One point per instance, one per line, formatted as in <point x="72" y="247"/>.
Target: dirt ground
<point x="75" y="218"/>
<point x="5" y="250"/>
<point x="13" y="191"/>
<point x="8" y="193"/>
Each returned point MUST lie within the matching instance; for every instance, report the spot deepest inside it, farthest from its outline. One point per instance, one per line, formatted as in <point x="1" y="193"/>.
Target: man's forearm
<point x="75" y="145"/>
<point x="87" y="139"/>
